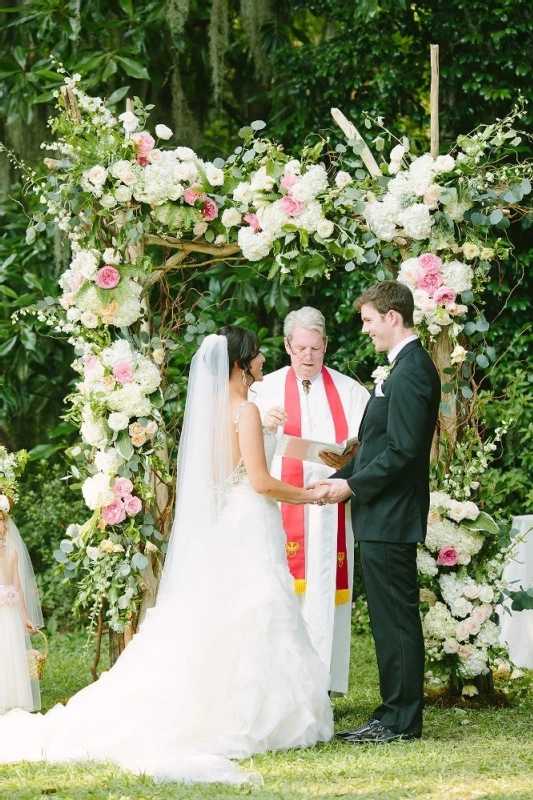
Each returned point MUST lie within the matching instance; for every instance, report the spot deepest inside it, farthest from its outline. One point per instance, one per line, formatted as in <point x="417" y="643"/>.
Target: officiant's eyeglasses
<point x="299" y="350"/>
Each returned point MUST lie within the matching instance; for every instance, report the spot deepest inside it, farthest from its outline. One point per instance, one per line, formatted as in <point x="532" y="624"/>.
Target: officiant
<point x="312" y="401"/>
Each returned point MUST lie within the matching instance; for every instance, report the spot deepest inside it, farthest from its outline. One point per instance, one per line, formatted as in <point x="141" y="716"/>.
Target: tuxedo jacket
<point x="389" y="475"/>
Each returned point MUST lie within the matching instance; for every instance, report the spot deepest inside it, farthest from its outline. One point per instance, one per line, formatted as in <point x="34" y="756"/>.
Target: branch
<point x="351" y="132"/>
<point x="196" y="246"/>
<point x="71" y="104"/>
<point x="434" y="99"/>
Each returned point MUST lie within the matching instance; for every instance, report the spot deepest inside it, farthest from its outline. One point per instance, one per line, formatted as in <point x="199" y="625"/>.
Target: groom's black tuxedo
<point x="389" y="478"/>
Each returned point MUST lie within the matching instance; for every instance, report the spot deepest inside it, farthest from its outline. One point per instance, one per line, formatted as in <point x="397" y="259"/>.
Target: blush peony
<point x="107" y="277"/>
<point x="114" y="513"/>
<point x="123" y="372"/>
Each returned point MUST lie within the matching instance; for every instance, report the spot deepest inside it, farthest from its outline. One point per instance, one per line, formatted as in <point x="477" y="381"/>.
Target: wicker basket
<point x="37" y="660"/>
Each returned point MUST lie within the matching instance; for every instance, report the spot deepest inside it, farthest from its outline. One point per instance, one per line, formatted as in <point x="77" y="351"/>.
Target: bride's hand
<point x="319" y="493"/>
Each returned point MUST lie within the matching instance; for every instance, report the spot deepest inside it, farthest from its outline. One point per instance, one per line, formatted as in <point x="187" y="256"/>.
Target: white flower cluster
<point x="411" y="195"/>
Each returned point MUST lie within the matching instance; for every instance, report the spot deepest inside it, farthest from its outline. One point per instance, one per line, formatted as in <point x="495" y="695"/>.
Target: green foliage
<point x="45" y="508"/>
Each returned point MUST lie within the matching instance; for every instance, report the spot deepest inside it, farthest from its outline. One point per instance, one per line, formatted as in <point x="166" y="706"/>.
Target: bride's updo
<point x="243" y="346"/>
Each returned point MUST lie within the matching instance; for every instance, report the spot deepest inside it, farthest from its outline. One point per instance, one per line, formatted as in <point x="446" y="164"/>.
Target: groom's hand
<point x="338" y="490"/>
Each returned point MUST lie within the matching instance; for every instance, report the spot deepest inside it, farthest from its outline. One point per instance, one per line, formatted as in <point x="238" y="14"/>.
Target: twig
<point x="434" y="99"/>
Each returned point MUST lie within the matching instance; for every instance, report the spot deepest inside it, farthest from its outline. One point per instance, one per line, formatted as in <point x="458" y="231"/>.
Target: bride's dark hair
<point x="243" y="346"/>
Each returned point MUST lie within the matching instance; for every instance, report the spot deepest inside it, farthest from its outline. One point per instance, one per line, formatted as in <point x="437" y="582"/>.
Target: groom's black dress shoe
<point x="377" y="734"/>
<point x="370" y="723"/>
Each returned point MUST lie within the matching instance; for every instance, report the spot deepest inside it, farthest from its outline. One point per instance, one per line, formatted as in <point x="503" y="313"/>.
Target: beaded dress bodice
<point x="239" y="476"/>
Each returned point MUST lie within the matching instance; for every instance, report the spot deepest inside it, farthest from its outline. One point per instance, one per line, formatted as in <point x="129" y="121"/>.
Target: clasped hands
<point x="331" y="490"/>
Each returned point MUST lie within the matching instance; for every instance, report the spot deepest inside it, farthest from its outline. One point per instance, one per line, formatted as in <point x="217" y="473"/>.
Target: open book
<point x="308" y="450"/>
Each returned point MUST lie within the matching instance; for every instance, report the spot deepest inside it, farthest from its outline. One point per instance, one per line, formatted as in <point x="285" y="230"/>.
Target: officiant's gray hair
<point x="308" y="318"/>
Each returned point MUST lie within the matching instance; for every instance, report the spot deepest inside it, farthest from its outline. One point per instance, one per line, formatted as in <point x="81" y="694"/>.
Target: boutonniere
<point x="381" y="374"/>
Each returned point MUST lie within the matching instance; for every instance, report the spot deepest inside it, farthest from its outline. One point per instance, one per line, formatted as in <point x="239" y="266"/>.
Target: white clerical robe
<point x="329" y="624"/>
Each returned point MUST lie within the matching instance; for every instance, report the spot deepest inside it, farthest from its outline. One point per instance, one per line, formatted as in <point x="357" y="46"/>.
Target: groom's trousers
<point x="390" y="578"/>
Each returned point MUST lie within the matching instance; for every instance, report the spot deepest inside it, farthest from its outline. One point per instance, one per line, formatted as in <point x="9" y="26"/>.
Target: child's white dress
<point x="17" y="689"/>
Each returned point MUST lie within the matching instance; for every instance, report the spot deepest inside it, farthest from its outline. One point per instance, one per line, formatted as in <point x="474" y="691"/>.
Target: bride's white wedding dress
<point x="221" y="669"/>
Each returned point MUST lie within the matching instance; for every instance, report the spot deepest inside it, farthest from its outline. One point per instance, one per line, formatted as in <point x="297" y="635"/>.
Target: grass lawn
<point x="463" y="755"/>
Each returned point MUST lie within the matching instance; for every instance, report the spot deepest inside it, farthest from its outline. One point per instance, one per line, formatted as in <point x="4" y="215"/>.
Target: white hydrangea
<point x="261" y="181"/>
<point x="254" y="246"/>
<point x="272" y="218"/>
<point x="185" y="154"/>
<point x="123" y="194"/>
<point x="489" y="635"/>
<point x="147" y="375"/>
<point x="416" y="221"/>
<point x="97" y="492"/>
<point x="120" y="350"/>
<point x="85" y="262"/>
<point x="112" y="256"/>
<point x="475" y="664"/>
<point x="130" y="400"/>
<point x="293" y="167"/>
<point x="456" y="209"/>
<point x="381" y="217"/>
<point x="312" y="183"/>
<point x="108" y="461"/>
<point x="458" y="276"/>
<point x="425" y="563"/>
<point x="310" y="217"/>
<point x="439" y="623"/>
<point x="446" y="533"/>
<point x="93" y="430"/>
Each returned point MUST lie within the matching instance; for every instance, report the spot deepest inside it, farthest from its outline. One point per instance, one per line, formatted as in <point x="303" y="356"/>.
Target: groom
<point x="388" y="485"/>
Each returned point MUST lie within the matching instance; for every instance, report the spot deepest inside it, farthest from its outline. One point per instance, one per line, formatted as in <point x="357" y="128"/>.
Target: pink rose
<point x="123" y="372"/>
<point x="444" y="295"/>
<point x="191" y="196"/>
<point x="210" y="209"/>
<point x="290" y="206"/>
<point x="430" y="263"/>
<point x="90" y="363"/>
<point x="447" y="557"/>
<point x="122" y="486"/>
<point x="114" y="513"/>
<point x="429" y="282"/>
<point x="144" y="142"/>
<point x="132" y="504"/>
<point x="107" y="278"/>
<point x="287" y="181"/>
<point x="253" y="221"/>
<point x="76" y="281"/>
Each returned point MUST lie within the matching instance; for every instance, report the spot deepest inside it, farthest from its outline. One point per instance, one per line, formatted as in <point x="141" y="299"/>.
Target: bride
<point x="222" y="667"/>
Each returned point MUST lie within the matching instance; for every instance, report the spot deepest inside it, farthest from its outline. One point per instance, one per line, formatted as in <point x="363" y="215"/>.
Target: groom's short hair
<point x="389" y="296"/>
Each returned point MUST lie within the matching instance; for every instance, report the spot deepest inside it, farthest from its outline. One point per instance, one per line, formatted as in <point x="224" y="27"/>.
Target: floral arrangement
<point x="8" y="595"/>
<point x="11" y="468"/>
<point x="460" y="626"/>
<point x="437" y="224"/>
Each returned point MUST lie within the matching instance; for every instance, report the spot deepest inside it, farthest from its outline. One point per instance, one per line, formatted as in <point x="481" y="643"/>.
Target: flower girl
<point x="20" y="614"/>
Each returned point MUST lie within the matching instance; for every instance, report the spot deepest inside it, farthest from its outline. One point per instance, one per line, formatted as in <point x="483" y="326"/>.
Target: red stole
<point x="292" y="471"/>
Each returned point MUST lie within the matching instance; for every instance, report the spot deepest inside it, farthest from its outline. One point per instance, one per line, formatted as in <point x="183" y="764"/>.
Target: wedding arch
<point x="134" y="207"/>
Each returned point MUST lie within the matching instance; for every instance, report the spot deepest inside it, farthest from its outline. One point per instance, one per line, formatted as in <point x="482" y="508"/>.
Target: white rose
<point x="431" y="196"/>
<point x="456" y="510"/>
<point x="470" y="250"/>
<point x="397" y="153"/>
<point x="342" y="179"/>
<point x="458" y="355"/>
<point x="162" y="132"/>
<point x="123" y="194"/>
<point x="96" y="175"/>
<point x="108" y="201"/>
<point x="325" y="228"/>
<point x="97" y="492"/>
<point x="444" y="164"/>
<point x="463" y="558"/>
<point x="434" y="329"/>
<point x="158" y="356"/>
<point x="93" y="553"/>
<point x="471" y="591"/>
<point x="230" y="217"/>
<point x="89" y="319"/>
<point x="185" y="153"/>
<point x="474" y="626"/>
<point x="486" y="594"/>
<point x="129" y="121"/>
<point x="73" y="314"/>
<point x="242" y="193"/>
<point x="118" y="421"/>
<point x="175" y="192"/>
<point x="214" y="175"/>
<point x="461" y="631"/>
<point x="151" y="428"/>
<point x="451" y="646"/>
<point x="112" y="256"/>
<point x="4" y="504"/>
<point x="461" y="607"/>
<point x="200" y="228"/>
<point x="471" y="510"/>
